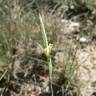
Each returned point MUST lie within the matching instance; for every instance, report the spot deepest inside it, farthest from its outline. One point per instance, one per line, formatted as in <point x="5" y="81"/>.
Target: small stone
<point x="85" y="39"/>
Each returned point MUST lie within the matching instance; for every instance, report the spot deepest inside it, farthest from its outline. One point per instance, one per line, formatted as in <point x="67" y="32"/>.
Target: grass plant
<point x="47" y="50"/>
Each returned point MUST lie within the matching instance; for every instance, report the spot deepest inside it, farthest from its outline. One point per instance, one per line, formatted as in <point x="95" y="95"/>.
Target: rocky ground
<point x="74" y="42"/>
<point x="87" y="70"/>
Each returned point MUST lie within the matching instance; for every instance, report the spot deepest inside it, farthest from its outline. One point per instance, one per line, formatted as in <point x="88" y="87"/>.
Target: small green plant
<point x="47" y="50"/>
<point x="14" y="33"/>
<point x="70" y="67"/>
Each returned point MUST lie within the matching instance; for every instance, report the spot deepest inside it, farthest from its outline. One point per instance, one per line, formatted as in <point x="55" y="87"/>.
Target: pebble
<point x="85" y="39"/>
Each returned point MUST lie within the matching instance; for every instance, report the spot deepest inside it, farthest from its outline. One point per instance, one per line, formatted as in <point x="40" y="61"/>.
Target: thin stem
<point x="47" y="47"/>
